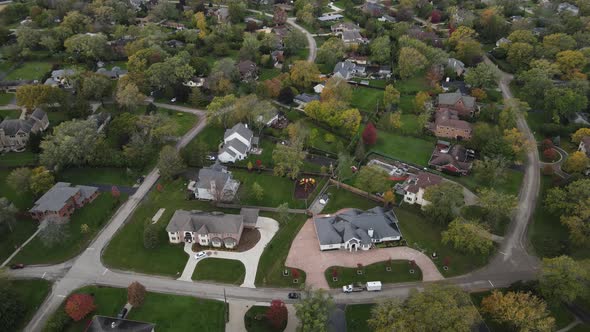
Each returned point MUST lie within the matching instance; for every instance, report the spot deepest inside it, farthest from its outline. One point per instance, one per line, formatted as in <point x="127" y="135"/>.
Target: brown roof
<point x="449" y="118"/>
<point x="456" y="157"/>
<point x="424" y="180"/>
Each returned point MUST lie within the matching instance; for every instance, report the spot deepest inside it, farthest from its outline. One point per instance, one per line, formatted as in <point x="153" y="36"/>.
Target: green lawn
<point x="272" y="261"/>
<point x="57" y="117"/>
<point x="412" y="85"/>
<point x="211" y="135"/>
<point x="32" y="70"/>
<point x="23" y="228"/>
<point x="510" y="186"/>
<point x="405" y="148"/>
<point x="410" y="124"/>
<point x="183" y="121"/>
<point x="18" y="159"/>
<point x="89" y="176"/>
<point x="10" y="114"/>
<point x="167" y="312"/>
<point x="95" y="215"/>
<point x="6" y="98"/>
<point x="400" y="272"/>
<point x="228" y="271"/>
<point x="357" y="316"/>
<point x="255" y="320"/>
<point x="340" y="199"/>
<point x="268" y="73"/>
<point x="32" y="292"/>
<point x="366" y="99"/>
<point x="321" y="140"/>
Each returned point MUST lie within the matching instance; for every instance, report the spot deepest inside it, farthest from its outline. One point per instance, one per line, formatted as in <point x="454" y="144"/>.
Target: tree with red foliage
<point x="277" y="313"/>
<point x="369" y="134"/>
<point x="159" y="187"/>
<point x="334" y="272"/>
<point x="550" y="154"/>
<point x="136" y="294"/>
<point x="79" y="305"/>
<point x="258" y="164"/>
<point x="115" y="192"/>
<point x="546" y="144"/>
<point x="435" y="16"/>
<point x="295" y="273"/>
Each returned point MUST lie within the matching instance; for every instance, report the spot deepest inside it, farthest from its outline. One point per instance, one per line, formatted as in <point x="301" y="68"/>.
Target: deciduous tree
<point x="331" y="51"/>
<point x="411" y="61"/>
<point x="468" y="236"/>
<point x="391" y="96"/>
<point x="522" y="311"/>
<point x="41" y="180"/>
<point x="136" y="294"/>
<point x="169" y="162"/>
<point x="79" y="305"/>
<point x="277" y="313"/>
<point x="482" y="76"/>
<point x="381" y="49"/>
<point x="257" y="191"/>
<point x="151" y="238"/>
<point x="562" y="279"/>
<point x="304" y="73"/>
<point x="129" y="96"/>
<point x="31" y="96"/>
<point x="313" y="310"/>
<point x="445" y="199"/>
<point x="288" y="159"/>
<point x="19" y="179"/>
<point x="579" y="134"/>
<point x="372" y="179"/>
<point x="369" y="134"/>
<point x="72" y="143"/>
<point x="577" y="162"/>
<point x="496" y="204"/>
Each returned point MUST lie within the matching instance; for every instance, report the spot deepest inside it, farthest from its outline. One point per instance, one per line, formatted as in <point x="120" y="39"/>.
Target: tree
<point x="279" y="16"/>
<point x="468" y="236"/>
<point x="12" y="309"/>
<point x="96" y="86"/>
<point x="201" y="23"/>
<point x="337" y="89"/>
<point x="491" y="171"/>
<point x="381" y="50"/>
<point x="75" y="22"/>
<point x="136" y="294"/>
<point x="294" y="41"/>
<point x="369" y="134"/>
<point x="79" y="305"/>
<point x="564" y="102"/>
<point x="257" y="191"/>
<point x="571" y="62"/>
<point x="87" y="47"/>
<point x="462" y="33"/>
<point x="482" y="76"/>
<point x="304" y="73"/>
<point x="237" y="11"/>
<point x="577" y="162"/>
<point x="32" y="96"/>
<point x="277" y="313"/>
<point x="283" y="212"/>
<point x="389" y="198"/>
<point x="571" y="204"/>
<point x="557" y="42"/>
<point x="313" y="311"/>
<point x="469" y="51"/>
<point x="19" y="179"/>
<point x="84" y="229"/>
<point x="288" y="159"/>
<point x="411" y="61"/>
<point x="493" y="24"/>
<point x="169" y="162"/>
<point x="522" y="311"/>
<point x="41" y="180"/>
<point x="7" y="213"/>
<point x="509" y="114"/>
<point x="438" y="308"/>
<point x="562" y="279"/>
<point x="372" y="179"/>
<point x="172" y="71"/>
<point x="579" y="134"/>
<point x="391" y="96"/>
<point x="523" y="36"/>
<point x="517" y="141"/>
<point x="250" y="47"/>
<point x="520" y="55"/>
<point x="151" y="238"/>
<point x="496" y="204"/>
<point x="128" y="95"/>
<point x="54" y="230"/>
<point x="72" y="143"/>
<point x="445" y="199"/>
<point x="420" y="100"/>
<point x="331" y="51"/>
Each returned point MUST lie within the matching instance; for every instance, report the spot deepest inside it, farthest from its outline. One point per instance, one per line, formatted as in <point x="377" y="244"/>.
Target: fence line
<point x="357" y="191"/>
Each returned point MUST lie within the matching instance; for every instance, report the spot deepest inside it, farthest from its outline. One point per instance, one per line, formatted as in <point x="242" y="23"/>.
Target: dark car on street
<point x="17" y="266"/>
<point x="294" y="295"/>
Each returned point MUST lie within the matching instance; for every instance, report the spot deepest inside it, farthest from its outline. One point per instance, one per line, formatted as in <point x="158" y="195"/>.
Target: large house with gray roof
<point x="465" y="106"/>
<point x="214" y="183"/>
<point x="215" y="229"/>
<point x="237" y="142"/>
<point x="355" y="229"/>
<point x="62" y="200"/>
<point x="15" y="133"/>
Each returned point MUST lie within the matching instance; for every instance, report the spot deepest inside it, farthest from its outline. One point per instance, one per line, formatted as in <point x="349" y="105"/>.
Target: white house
<point x="585" y="145"/>
<point x="214" y="183"/>
<point x="415" y="187"/>
<point x="237" y="142"/>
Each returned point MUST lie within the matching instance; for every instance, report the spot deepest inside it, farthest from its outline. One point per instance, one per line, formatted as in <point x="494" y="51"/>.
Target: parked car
<point x="352" y="288"/>
<point x="173" y="100"/>
<point x="200" y="254"/>
<point x="17" y="266"/>
<point x="294" y="295"/>
<point x="211" y="157"/>
<point x="324" y="199"/>
<point x="122" y="313"/>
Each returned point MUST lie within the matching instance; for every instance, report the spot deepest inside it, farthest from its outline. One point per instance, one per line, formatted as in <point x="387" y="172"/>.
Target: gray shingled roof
<point x="215" y="222"/>
<point x="236" y="144"/>
<point x="56" y="197"/>
<point x="307" y="97"/>
<point x="110" y="324"/>
<point x="351" y="35"/>
<point x="240" y="129"/>
<point x="216" y="173"/>
<point x="38" y="114"/>
<point x="250" y="216"/>
<point x="453" y="97"/>
<point x="12" y="126"/>
<point x="345" y="68"/>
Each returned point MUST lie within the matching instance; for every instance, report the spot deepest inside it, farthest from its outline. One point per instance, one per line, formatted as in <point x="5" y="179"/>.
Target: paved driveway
<point x="267" y="227"/>
<point x="306" y="245"/>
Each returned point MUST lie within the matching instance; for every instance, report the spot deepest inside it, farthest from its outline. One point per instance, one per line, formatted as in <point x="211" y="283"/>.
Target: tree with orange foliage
<point x="79" y="305"/>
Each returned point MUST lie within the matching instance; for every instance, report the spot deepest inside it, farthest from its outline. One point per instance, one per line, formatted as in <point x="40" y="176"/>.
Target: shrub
<point x="136" y="294"/>
<point x="79" y="305"/>
<point x="150" y="237"/>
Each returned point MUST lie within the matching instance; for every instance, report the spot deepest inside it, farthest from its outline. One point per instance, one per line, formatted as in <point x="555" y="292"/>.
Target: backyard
<point x="6" y="98"/>
<point x="167" y="312"/>
<point x="32" y="70"/>
<point x="366" y="99"/>
<point x="17" y="159"/>
<point x="93" y="176"/>
<point x="399" y="272"/>
<point x="405" y="148"/>
<point x="227" y="271"/>
<point x="340" y="199"/>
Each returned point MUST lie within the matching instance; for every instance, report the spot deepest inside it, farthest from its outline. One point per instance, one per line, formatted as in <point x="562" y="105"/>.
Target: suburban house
<point x="348" y="69"/>
<point x="15" y="133"/>
<point x="447" y="124"/>
<point x="214" y="183"/>
<point x="355" y="229"/>
<point x="305" y="98"/>
<point x="114" y="73"/>
<point x="237" y="142"/>
<point x="503" y="41"/>
<point x="330" y="17"/>
<point x="453" y="159"/>
<point x="415" y="186"/>
<point x="222" y="14"/>
<point x="464" y="105"/>
<point x="456" y="65"/>
<point x="353" y="38"/>
<point x="62" y="200"/>
<point x="111" y="324"/>
<point x="373" y="8"/>
<point x="248" y="70"/>
<point x="568" y="7"/>
<point x="278" y="58"/>
<point x="215" y="229"/>
<point x="585" y="145"/>
<point x="387" y="18"/>
<point x="60" y="78"/>
<point x="339" y="28"/>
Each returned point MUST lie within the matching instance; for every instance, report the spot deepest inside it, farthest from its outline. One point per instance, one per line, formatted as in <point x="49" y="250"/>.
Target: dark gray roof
<point x="110" y="324"/>
<point x="236" y="144"/>
<point x="250" y="216"/>
<point x="355" y="223"/>
<point x="216" y="173"/>
<point x="115" y="72"/>
<point x="351" y="35"/>
<point x="13" y="126"/>
<point x="240" y="129"/>
<point x="56" y="197"/>
<point x="345" y="68"/>
<point x="205" y="222"/>
<point x="307" y="97"/>
<point x="62" y="73"/>
<point x="38" y="114"/>
<point x="454" y="97"/>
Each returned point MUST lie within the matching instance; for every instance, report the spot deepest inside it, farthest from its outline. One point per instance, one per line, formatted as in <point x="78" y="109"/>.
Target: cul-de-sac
<point x="294" y="165"/>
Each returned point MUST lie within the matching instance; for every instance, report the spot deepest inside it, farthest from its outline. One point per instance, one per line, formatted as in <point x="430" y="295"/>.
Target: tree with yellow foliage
<point x="576" y="162"/>
<point x="201" y="22"/>
<point x="579" y="134"/>
<point x="522" y="311"/>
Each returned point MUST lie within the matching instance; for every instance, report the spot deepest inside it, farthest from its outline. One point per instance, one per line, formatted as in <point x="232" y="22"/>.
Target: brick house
<point x="448" y="125"/>
<point x="62" y="200"/>
<point x="464" y="105"/>
<point x="451" y="159"/>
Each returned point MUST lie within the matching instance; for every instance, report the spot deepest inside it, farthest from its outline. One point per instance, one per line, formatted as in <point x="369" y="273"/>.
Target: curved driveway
<point x="511" y="263"/>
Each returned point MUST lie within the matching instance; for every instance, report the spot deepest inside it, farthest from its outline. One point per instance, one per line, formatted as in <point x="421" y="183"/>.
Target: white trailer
<point x="373" y="286"/>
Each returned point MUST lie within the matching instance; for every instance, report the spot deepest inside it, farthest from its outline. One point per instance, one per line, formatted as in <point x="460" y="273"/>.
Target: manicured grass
<point x="183" y="121"/>
<point x="33" y="70"/>
<point x="357" y="316"/>
<point x="6" y="98"/>
<point x="272" y="261"/>
<point x="23" y="200"/>
<point x="268" y="73"/>
<point x="211" y="135"/>
<point x="32" y="292"/>
<point x="19" y="159"/>
<point x="228" y="271"/>
<point x="10" y="114"/>
<point x="262" y="324"/>
<point x="95" y="214"/>
<point x="400" y="272"/>
<point x="22" y="229"/>
<point x="510" y="186"/>
<point x="410" y="124"/>
<point x="57" y="117"/>
<point x="321" y="141"/>
<point x="167" y="312"/>
<point x="366" y="99"/>
<point x="422" y="234"/>
<point x="405" y="148"/>
<point x="412" y="85"/>
<point x="341" y="199"/>
<point x="91" y="176"/>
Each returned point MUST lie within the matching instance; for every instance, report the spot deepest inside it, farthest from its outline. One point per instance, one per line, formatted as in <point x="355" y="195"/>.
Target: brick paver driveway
<point x="305" y="254"/>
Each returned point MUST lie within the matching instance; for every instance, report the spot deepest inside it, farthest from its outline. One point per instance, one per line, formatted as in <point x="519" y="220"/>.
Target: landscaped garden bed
<point x="304" y="187"/>
<point x="387" y="272"/>
<point x="228" y="271"/>
<point x="255" y="320"/>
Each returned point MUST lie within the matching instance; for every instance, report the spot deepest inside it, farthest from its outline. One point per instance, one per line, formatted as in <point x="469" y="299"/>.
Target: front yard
<point x="357" y="316"/>
<point x="95" y="215"/>
<point x="167" y="312"/>
<point x="404" y="148"/>
<point x="227" y="271"/>
<point x="6" y="98"/>
<point x="32" y="293"/>
<point x="18" y="159"/>
<point x="256" y="321"/>
<point x="400" y="272"/>
<point x="23" y="228"/>
<point x="103" y="176"/>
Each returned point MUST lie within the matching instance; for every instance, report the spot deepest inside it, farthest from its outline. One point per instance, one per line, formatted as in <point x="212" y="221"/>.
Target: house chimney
<point x="370" y="232"/>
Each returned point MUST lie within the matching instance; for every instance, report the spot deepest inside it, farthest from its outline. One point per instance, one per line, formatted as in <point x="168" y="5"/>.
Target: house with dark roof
<point x="214" y="183"/>
<point x="585" y="146"/>
<point x="415" y="186"/>
<point x="114" y="73"/>
<point x="111" y="324"/>
<point x="448" y="125"/>
<point x="355" y="229"/>
<point x="348" y="69"/>
<point x="248" y="70"/>
<point x="62" y="200"/>
<point x="353" y="38"/>
<point x="464" y="105"/>
<point x="452" y="159"/>
<point x="237" y="142"/>
<point x="15" y="133"/>
<point x="60" y="78"/>
<point x="215" y="229"/>
<point x="305" y="98"/>
<point x="339" y="28"/>
<point x="330" y="17"/>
